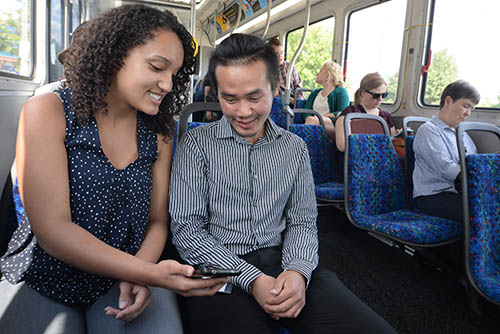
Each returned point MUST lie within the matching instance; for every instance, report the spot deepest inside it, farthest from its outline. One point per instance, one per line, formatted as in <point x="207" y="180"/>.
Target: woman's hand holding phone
<point x="179" y="278"/>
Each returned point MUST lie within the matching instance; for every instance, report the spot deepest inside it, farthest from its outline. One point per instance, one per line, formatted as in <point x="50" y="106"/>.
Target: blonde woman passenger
<point x="330" y="100"/>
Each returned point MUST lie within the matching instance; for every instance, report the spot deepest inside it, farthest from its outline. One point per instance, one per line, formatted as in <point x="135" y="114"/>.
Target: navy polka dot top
<point x="111" y="204"/>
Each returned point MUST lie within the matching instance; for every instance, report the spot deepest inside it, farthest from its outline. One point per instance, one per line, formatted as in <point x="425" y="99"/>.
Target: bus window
<point x="464" y="49"/>
<point x="375" y="38"/>
<point x="16" y="56"/>
<point x="316" y="50"/>
<point x="57" y="35"/>
<point x="56" y="39"/>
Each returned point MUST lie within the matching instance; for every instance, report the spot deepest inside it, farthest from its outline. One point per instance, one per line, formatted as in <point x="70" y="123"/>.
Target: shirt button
<point x="255" y="176"/>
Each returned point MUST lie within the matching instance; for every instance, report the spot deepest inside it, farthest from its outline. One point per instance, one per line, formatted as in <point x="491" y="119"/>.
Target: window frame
<point x="427" y="49"/>
<point x="401" y="60"/>
<point x="32" y="52"/>
<point x="285" y="45"/>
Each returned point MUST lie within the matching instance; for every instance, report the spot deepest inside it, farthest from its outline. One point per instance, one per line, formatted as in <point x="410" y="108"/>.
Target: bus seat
<point x="192" y="108"/>
<point x="481" y="202"/>
<point x="278" y="113"/>
<point x="8" y="220"/>
<point x="300" y="103"/>
<point x="192" y="125"/>
<point x="375" y="198"/>
<point x="322" y="156"/>
<point x="410" y="156"/>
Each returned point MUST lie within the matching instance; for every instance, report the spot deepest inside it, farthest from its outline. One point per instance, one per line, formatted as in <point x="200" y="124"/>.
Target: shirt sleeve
<point x="296" y="82"/>
<point x="300" y="244"/>
<point x="189" y="215"/>
<point x="433" y="154"/>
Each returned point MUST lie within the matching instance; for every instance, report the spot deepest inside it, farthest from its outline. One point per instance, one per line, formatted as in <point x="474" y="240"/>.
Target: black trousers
<point x="330" y="307"/>
<point x="446" y="205"/>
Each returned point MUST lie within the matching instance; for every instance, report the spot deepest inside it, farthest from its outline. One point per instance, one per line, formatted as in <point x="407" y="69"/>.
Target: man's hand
<point x="177" y="277"/>
<point x="134" y="299"/>
<point x="282" y="297"/>
<point x="288" y="295"/>
<point x="261" y="291"/>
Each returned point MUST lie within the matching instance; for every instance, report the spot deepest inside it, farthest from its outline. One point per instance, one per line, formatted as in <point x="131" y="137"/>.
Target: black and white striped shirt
<point x="229" y="198"/>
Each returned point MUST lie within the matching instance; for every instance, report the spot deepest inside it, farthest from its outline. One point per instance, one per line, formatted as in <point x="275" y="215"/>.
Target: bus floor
<point x="412" y="297"/>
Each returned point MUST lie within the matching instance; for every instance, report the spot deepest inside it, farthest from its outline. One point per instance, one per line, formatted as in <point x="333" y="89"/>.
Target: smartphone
<point x="215" y="272"/>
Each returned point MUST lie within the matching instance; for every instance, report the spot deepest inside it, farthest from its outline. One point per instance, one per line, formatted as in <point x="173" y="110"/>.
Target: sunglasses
<point x="377" y="95"/>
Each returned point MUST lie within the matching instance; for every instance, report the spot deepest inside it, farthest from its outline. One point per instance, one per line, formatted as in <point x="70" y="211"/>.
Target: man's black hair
<point x="460" y="89"/>
<point x="242" y="49"/>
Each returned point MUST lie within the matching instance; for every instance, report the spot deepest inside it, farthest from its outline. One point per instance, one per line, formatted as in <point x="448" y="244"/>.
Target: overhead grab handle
<point x="238" y="18"/>
<point x="297" y="52"/>
<point x="268" y="20"/>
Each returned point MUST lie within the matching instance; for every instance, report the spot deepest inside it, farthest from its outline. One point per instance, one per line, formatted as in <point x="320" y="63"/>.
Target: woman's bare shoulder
<point x="44" y="112"/>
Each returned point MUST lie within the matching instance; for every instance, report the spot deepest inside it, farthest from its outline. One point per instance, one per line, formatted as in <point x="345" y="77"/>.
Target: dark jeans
<point x="330" y="307"/>
<point x="446" y="205"/>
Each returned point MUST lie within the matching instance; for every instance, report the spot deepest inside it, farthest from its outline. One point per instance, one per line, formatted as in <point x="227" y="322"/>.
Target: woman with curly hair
<point x="93" y="168"/>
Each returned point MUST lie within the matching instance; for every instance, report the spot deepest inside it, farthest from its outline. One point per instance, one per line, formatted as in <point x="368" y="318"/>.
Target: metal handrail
<point x="268" y="19"/>
<point x="297" y="52"/>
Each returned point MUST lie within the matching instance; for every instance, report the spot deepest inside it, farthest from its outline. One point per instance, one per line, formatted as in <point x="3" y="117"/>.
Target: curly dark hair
<point x="97" y="54"/>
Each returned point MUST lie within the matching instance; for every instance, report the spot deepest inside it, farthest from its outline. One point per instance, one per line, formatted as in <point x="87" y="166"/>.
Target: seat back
<point x="191" y="108"/>
<point x="481" y="203"/>
<point x="412" y="122"/>
<point x="321" y="151"/>
<point x="300" y="103"/>
<point x="373" y="176"/>
<point x="278" y="112"/>
<point x="366" y="126"/>
<point x="8" y="220"/>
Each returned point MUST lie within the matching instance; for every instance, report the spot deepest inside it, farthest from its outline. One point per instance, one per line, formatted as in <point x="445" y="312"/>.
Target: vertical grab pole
<point x="193" y="32"/>
<point x="297" y="52"/>
<point x="268" y="20"/>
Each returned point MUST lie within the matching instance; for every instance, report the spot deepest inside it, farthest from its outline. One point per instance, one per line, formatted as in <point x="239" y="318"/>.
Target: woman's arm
<point x="339" y="134"/>
<point x="156" y="231"/>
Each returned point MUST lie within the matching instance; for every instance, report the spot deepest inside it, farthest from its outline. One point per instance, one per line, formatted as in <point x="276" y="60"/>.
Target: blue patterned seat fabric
<point x="483" y="171"/>
<point x="322" y="157"/>
<point x="376" y="195"/>
<point x="192" y="125"/>
<point x="278" y="113"/>
<point x="300" y="103"/>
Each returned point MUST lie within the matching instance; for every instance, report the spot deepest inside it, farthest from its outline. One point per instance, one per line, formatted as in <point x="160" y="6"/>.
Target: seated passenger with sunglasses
<point x="367" y="99"/>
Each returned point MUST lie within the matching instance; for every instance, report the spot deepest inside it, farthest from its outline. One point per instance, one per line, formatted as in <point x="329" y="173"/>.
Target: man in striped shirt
<point x="242" y="196"/>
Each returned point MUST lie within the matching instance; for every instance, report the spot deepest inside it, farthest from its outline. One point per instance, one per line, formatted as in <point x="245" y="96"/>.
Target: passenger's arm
<point x="190" y="216"/>
<point x="432" y="153"/>
<point x="42" y="168"/>
<point x="300" y="244"/>
<point x="342" y="100"/>
<point x="339" y="133"/>
<point x="156" y="231"/>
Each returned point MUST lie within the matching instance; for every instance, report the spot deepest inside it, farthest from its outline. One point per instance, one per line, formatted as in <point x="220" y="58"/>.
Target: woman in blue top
<point x="93" y="164"/>
<point x="329" y="100"/>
